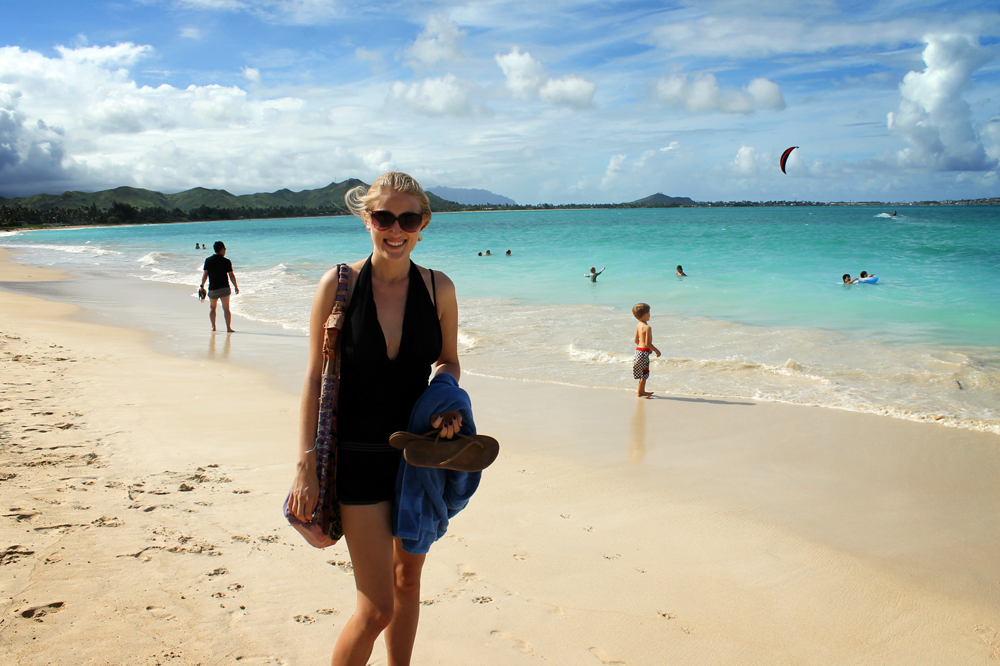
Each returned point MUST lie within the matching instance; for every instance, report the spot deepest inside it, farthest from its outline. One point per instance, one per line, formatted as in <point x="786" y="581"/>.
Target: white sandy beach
<point x="142" y="522"/>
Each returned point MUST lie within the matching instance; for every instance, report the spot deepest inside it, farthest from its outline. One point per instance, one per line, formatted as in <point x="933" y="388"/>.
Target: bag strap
<point x="334" y="323"/>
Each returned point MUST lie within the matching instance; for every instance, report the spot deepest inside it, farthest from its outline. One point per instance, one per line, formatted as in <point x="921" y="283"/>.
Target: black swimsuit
<point x="377" y="394"/>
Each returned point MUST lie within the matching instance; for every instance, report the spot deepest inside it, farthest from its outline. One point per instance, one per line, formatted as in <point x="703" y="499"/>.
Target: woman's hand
<point x="305" y="494"/>
<point x="448" y="424"/>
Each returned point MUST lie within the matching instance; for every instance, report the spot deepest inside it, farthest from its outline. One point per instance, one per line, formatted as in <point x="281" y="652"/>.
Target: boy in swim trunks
<point x="643" y="346"/>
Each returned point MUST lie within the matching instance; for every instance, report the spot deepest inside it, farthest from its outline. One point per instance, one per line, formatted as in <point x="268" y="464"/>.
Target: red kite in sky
<point x="784" y="158"/>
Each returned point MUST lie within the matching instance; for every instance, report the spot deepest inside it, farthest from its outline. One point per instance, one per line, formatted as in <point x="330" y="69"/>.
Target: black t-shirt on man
<point x="218" y="268"/>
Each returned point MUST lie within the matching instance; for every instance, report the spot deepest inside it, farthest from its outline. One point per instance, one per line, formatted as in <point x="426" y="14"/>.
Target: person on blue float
<point x="401" y="326"/>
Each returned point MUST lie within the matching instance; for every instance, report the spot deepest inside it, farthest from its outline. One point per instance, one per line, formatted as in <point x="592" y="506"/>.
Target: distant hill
<point x="326" y="197"/>
<point x="471" y="197"/>
<point x="660" y="199"/>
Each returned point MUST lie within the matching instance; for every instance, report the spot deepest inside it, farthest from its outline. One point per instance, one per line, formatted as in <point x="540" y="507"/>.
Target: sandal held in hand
<point x="461" y="453"/>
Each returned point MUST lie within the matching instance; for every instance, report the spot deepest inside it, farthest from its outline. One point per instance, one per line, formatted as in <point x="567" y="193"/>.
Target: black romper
<point x="377" y="394"/>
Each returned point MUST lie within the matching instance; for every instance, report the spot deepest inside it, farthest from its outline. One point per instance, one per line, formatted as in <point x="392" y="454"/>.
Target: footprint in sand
<point x="304" y="619"/>
<point x="343" y="565"/>
<point x="160" y="613"/>
<point x="104" y="521"/>
<point x="665" y="614"/>
<point x="13" y="554"/>
<point x="221" y="571"/>
<point x="604" y="658"/>
<point x="482" y="600"/>
<point x="521" y="645"/>
<point x="23" y="514"/>
<point x="327" y="611"/>
<point x="36" y="613"/>
<point x="520" y="557"/>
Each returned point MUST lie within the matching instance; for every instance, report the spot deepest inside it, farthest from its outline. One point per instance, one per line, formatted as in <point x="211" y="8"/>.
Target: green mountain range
<point x="326" y="197"/>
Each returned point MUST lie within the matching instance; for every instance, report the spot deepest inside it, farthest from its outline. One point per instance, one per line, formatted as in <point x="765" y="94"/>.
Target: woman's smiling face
<point x="394" y="243"/>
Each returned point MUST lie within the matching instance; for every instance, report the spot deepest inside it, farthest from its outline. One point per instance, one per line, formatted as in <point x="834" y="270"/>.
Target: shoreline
<point x="610" y="529"/>
<point x="109" y="293"/>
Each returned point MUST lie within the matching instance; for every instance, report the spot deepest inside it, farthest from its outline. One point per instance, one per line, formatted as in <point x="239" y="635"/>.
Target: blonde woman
<point x="401" y="328"/>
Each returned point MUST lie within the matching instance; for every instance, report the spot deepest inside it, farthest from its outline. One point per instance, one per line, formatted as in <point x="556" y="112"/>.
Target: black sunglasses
<point x="408" y="222"/>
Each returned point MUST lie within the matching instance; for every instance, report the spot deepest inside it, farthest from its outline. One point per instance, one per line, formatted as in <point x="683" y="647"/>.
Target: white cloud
<point x="525" y="75"/>
<point x="746" y="160"/>
<point x="32" y="155"/>
<point x="295" y="12"/>
<point x="701" y="93"/>
<point x="991" y="137"/>
<point x="124" y="54"/>
<point x="373" y="58"/>
<point x="213" y="5"/>
<point x="441" y="41"/>
<point x="568" y="91"/>
<point x="191" y="32"/>
<point x="63" y="116"/>
<point x="759" y="35"/>
<point x="378" y="160"/>
<point x="614" y="168"/>
<point x="933" y="116"/>
<point x="252" y="75"/>
<point x="445" y="96"/>
<point x="650" y="154"/>
<point x="526" y="79"/>
<point x="767" y="94"/>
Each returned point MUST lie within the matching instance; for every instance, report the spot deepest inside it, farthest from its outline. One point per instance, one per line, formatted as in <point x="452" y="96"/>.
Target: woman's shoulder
<point x="330" y="278"/>
<point x="440" y="279"/>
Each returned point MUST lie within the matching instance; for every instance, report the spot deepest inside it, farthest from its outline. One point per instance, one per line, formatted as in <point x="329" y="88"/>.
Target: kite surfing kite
<point x="784" y="158"/>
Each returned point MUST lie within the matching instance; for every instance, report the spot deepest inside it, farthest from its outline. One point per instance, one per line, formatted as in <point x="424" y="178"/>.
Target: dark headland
<point x="133" y="205"/>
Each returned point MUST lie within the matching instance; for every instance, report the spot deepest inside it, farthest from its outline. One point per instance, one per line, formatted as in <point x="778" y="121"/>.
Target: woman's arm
<point x="447" y="309"/>
<point x="305" y="488"/>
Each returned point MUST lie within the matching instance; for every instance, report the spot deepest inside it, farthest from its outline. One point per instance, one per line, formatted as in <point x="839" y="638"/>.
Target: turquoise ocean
<point x="763" y="313"/>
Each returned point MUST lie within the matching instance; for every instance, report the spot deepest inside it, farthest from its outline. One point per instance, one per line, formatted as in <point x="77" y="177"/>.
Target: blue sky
<point x="556" y="101"/>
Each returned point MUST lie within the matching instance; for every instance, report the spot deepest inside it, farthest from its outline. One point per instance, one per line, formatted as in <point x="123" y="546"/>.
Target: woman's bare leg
<point x="402" y="631"/>
<point x="368" y="531"/>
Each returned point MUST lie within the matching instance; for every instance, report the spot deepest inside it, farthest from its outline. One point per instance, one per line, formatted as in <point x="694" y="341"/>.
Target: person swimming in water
<point x="680" y="271"/>
<point x="594" y="273"/>
<point x="847" y="279"/>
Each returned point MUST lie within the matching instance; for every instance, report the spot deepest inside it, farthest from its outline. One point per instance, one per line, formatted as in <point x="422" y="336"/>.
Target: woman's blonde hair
<point x="360" y="199"/>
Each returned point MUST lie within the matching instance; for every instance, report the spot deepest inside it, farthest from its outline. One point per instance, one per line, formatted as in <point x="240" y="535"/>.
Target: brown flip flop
<point x="462" y="453"/>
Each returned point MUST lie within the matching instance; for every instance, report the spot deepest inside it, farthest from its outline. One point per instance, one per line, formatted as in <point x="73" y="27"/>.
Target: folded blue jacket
<point x="426" y="497"/>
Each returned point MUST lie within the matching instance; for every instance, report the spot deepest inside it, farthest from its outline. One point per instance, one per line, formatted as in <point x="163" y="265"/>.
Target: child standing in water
<point x="643" y="346"/>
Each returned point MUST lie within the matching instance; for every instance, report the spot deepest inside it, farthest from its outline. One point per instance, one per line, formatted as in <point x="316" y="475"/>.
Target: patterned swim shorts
<point x="640" y="367"/>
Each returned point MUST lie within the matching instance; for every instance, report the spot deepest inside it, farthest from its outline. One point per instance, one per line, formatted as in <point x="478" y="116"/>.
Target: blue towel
<point x="426" y="497"/>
